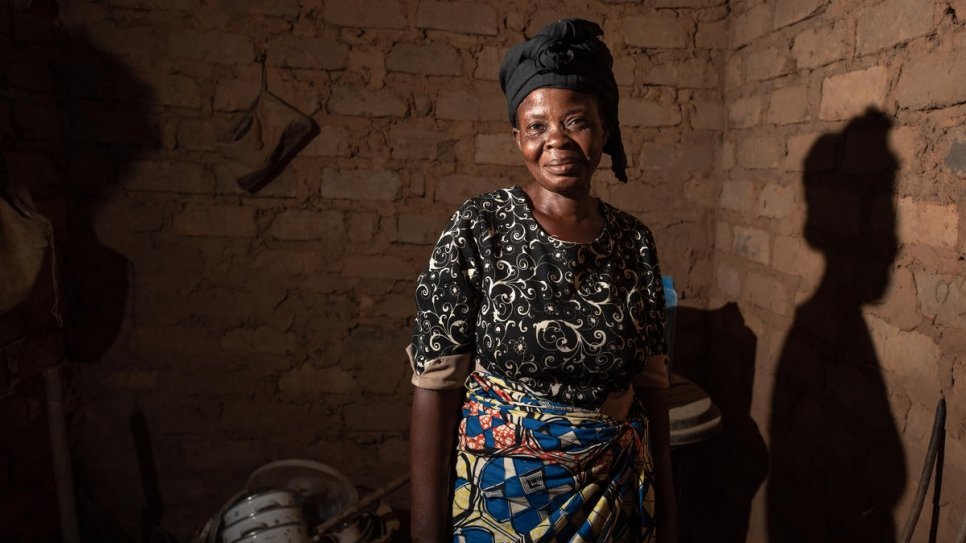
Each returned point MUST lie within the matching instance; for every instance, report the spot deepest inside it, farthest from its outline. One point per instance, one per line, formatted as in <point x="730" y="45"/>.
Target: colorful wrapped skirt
<point x="528" y="470"/>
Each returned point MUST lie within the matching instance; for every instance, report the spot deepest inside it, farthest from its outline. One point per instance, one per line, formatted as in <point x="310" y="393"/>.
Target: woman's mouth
<point x="567" y="166"/>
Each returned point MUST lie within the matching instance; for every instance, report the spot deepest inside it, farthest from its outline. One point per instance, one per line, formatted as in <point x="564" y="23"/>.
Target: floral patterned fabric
<point x="568" y="322"/>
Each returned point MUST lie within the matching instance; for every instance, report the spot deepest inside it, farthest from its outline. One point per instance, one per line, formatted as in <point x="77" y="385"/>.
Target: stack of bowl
<point x="271" y="516"/>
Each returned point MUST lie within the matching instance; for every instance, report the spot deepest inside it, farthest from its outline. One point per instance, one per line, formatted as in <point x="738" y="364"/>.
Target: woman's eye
<point x="578" y="122"/>
<point x="535" y="127"/>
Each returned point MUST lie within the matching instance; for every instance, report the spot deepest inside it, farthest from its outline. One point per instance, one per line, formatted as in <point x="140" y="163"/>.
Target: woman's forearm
<point x="435" y="416"/>
<point x="656" y="403"/>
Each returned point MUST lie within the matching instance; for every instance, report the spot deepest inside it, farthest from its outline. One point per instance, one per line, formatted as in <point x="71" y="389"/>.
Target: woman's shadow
<point x="837" y="465"/>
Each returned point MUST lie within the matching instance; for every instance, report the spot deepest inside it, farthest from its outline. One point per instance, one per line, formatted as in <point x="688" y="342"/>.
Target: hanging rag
<point x="23" y="241"/>
<point x="265" y="139"/>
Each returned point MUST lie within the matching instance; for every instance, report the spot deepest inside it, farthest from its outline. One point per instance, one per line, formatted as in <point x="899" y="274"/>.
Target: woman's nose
<point x="557" y="136"/>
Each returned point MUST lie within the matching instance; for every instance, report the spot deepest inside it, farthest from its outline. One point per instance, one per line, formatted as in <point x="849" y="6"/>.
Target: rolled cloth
<point x="567" y="54"/>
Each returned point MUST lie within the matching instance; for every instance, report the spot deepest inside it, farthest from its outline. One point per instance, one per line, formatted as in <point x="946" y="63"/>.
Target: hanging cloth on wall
<point x="265" y="139"/>
<point x="24" y="235"/>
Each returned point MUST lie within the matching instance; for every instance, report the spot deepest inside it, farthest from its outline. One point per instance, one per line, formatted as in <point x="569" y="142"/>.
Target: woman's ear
<point x="516" y="137"/>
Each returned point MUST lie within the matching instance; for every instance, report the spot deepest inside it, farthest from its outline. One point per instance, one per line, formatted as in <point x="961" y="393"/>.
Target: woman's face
<point x="561" y="135"/>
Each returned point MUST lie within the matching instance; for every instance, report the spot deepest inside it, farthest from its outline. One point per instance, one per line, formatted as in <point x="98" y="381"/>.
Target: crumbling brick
<point x="793" y="11"/>
<point x="169" y="176"/>
<point x="850" y="94"/>
<point x="377" y="267"/>
<point x="464" y="17"/>
<point x="799" y="146"/>
<point x="471" y="106"/>
<point x="690" y="74"/>
<point x="377" y="416"/>
<point x="728" y="280"/>
<point x="263" y="339"/>
<point x="312" y="53"/>
<point x="892" y="22"/>
<point x="365" y="14"/>
<point x="310" y="382"/>
<point x="788" y="105"/>
<point x="746" y="112"/>
<point x="712" y="34"/>
<point x="820" y="45"/>
<point x="899" y="303"/>
<point x="767" y="293"/>
<point x="911" y="356"/>
<point x="777" y="201"/>
<point x="766" y="64"/>
<point x="932" y="80"/>
<point x="649" y="114"/>
<point x="366" y="103"/>
<point x="497" y="149"/>
<point x="234" y="94"/>
<point x="276" y="8"/>
<point x="332" y="141"/>
<point x="750" y="25"/>
<point x="707" y="115"/>
<point x="688" y="156"/>
<point x="793" y="256"/>
<point x="738" y="195"/>
<point x="127" y="40"/>
<point x="702" y="191"/>
<point x="215" y="220"/>
<point x="419" y="228"/>
<point x="656" y="30"/>
<point x="360" y="185"/>
<point x="488" y="63"/>
<point x="430" y="59"/>
<point x="456" y="189"/>
<point x="208" y="46"/>
<point x="752" y="244"/>
<point x="760" y="153"/>
<point x="413" y="143"/>
<point x="305" y="225"/>
<point x="927" y="223"/>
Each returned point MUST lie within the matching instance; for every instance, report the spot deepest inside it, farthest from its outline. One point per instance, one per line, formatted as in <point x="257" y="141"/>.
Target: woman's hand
<point x="433" y="425"/>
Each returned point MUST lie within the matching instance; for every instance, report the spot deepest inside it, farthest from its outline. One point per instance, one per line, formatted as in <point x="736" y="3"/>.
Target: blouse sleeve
<point x="654" y="347"/>
<point x="447" y="302"/>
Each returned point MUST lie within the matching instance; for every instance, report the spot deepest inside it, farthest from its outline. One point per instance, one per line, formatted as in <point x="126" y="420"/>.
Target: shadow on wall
<point x="719" y="478"/>
<point x="78" y="119"/>
<point x="837" y="465"/>
<point x="108" y="127"/>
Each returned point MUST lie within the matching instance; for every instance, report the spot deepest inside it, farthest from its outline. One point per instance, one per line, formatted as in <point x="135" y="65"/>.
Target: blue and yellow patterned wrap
<point x="531" y="470"/>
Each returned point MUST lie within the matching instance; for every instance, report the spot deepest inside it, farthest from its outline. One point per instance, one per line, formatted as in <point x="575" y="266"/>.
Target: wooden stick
<point x="938" y="427"/>
<point x="63" y="473"/>
<point x="376" y="495"/>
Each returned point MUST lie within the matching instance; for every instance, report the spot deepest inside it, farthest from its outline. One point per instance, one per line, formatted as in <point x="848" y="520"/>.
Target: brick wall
<point x="816" y="209"/>
<point x="211" y="331"/>
<point x="244" y="328"/>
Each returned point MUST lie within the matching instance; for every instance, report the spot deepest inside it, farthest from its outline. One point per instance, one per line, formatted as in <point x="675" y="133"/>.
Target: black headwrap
<point x="567" y="54"/>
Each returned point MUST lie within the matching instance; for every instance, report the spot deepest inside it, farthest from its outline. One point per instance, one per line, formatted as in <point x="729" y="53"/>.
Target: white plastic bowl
<point x="286" y="533"/>
<point x="269" y="518"/>
<point x="255" y="503"/>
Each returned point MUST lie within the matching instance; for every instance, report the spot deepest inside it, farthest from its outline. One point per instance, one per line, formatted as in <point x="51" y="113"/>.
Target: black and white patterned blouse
<point x="571" y="322"/>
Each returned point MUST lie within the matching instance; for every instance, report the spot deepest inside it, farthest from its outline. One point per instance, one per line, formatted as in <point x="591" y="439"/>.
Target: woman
<point x="539" y="308"/>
